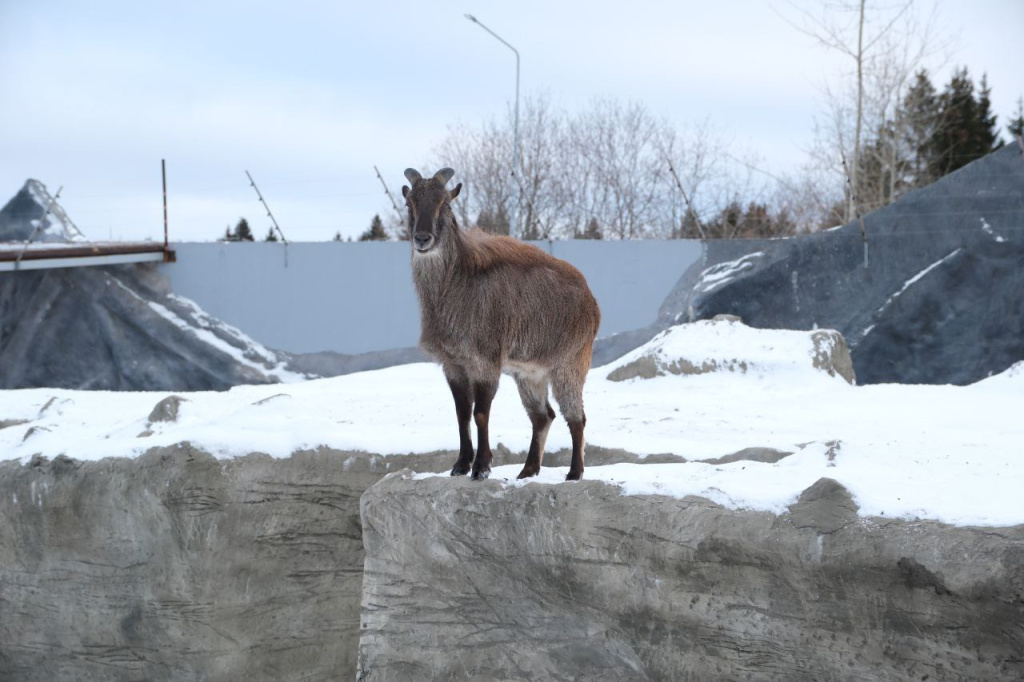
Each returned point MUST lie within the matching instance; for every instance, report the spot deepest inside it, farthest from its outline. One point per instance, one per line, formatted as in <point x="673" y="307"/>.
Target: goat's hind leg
<point x="567" y="385"/>
<point x="462" y="392"/>
<point x="534" y="393"/>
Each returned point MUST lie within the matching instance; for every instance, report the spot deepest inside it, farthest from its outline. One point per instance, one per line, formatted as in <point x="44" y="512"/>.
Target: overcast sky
<point x="308" y="96"/>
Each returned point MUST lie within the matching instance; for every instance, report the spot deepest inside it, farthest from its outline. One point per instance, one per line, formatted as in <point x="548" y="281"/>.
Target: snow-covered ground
<point x="953" y="454"/>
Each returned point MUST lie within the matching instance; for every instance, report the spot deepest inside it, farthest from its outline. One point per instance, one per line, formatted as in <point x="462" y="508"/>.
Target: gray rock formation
<point x="25" y="217"/>
<point x="940" y="301"/>
<point x="96" y="328"/>
<point x="477" y="580"/>
<point x="179" y="566"/>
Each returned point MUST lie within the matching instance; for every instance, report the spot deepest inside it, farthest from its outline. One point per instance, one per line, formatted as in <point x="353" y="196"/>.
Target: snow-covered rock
<point x="725" y="344"/>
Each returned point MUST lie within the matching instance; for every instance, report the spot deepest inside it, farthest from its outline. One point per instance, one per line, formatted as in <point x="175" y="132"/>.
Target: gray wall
<point x="358" y="297"/>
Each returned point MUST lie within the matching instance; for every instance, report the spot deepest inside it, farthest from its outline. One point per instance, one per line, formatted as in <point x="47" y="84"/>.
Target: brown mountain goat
<point x="492" y="303"/>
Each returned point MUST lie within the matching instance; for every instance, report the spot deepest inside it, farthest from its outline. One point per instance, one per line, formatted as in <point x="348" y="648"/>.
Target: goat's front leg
<point x="462" y="392"/>
<point x="483" y="393"/>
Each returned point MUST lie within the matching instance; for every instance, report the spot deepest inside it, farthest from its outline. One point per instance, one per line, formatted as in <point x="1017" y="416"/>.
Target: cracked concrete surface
<point x="578" y="582"/>
<point x="177" y="565"/>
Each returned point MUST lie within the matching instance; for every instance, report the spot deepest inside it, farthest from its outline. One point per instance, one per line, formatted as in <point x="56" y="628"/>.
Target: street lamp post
<point x="515" y="133"/>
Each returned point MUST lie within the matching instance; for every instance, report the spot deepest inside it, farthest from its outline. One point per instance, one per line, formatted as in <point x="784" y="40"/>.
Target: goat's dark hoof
<point x="528" y="473"/>
<point x="460" y="470"/>
<point x="574" y="475"/>
<point x="481" y="475"/>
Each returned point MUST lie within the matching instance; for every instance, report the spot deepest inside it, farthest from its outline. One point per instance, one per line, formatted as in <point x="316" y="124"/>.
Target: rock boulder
<point x="489" y="581"/>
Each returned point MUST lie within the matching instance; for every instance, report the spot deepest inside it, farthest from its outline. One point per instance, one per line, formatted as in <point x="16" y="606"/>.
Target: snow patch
<point x="201" y="325"/>
<point x="717" y="275"/>
<point x="988" y="228"/>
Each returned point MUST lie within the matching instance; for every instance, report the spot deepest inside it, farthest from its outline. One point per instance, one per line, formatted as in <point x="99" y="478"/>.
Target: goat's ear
<point x="455" y="192"/>
<point x="405" y="191"/>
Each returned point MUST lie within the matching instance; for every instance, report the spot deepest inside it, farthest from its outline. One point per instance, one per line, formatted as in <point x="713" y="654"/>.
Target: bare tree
<point x="886" y="45"/>
<point x="606" y="166"/>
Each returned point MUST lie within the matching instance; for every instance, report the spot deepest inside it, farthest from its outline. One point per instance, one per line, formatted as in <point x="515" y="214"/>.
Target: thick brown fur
<point x="490" y="303"/>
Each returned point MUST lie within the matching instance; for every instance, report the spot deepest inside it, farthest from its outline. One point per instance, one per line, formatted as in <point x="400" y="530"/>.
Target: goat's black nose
<point x="422" y="239"/>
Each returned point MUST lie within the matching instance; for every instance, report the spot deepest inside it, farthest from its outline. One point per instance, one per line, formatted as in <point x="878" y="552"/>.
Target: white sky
<point x="308" y="96"/>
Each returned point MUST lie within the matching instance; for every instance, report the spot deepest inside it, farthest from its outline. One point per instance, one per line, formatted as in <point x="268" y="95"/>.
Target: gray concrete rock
<point x="167" y="409"/>
<point x="481" y="581"/>
<point x="179" y="566"/>
<point x="831" y="354"/>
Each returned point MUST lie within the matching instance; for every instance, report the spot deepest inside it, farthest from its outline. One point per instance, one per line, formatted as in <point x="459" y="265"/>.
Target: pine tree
<point x="530" y="232"/>
<point x="228" y="237"/>
<point x="374" y="233"/>
<point x="918" y="120"/>
<point x="485" y="221"/>
<point x="726" y="224"/>
<point x="495" y="223"/>
<point x="271" y="237"/>
<point x="968" y="129"/>
<point x="689" y="227"/>
<point x="242" y="232"/>
<point x="592" y="231"/>
<point x="1016" y="125"/>
<point x="337" y="236"/>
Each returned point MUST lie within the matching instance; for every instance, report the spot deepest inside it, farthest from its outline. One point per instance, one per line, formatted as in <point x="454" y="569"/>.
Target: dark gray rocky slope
<point x="476" y="580"/>
<point x="25" y="217"/>
<point x="942" y="298"/>
<point x="95" y="328"/>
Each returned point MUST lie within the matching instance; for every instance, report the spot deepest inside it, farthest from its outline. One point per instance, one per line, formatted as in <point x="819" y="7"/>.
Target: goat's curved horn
<point x="444" y="175"/>
<point x="413" y="175"/>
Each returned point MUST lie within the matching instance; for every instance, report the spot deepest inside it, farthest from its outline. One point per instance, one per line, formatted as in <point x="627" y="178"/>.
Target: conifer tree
<point x="1016" y="125"/>
<point x="968" y="129"/>
<point x="374" y="233"/>
<point x="271" y="237"/>
<point x="485" y="221"/>
<point x="337" y="236"/>
<point x="494" y="223"/>
<point x="591" y="231"/>
<point x="918" y="120"/>
<point x="242" y="232"/>
<point x="501" y="221"/>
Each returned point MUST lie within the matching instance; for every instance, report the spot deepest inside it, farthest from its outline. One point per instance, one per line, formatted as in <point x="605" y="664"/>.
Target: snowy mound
<point x="725" y="344"/>
<point x="1011" y="379"/>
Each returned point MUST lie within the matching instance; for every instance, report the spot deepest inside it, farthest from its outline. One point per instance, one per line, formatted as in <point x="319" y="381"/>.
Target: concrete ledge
<point x="490" y="582"/>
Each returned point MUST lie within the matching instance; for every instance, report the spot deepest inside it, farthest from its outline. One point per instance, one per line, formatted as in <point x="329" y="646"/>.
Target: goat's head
<point x="430" y="214"/>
